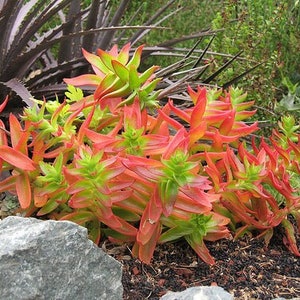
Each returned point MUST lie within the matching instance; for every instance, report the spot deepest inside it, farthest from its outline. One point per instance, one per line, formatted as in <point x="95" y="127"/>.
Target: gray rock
<point x="54" y="260"/>
<point x="199" y="293"/>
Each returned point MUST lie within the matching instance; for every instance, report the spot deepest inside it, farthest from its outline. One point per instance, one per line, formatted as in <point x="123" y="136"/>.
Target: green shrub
<point x="266" y="31"/>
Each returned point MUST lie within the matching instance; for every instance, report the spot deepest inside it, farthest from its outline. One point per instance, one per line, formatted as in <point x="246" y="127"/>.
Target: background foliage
<point x="266" y="31"/>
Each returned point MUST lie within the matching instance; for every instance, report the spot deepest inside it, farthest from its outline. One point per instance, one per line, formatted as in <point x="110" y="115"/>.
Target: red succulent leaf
<point x="15" y="129"/>
<point x="120" y="185"/>
<point x="80" y="199"/>
<point x="212" y="170"/>
<point x="215" y="117"/>
<point x="16" y="158"/>
<point x="134" y="116"/>
<point x="179" y="112"/>
<point x="113" y="51"/>
<point x="8" y="184"/>
<point x="242" y="129"/>
<point x="282" y="185"/>
<point x="227" y="125"/>
<point x="106" y="59"/>
<point x="168" y="192"/>
<point x="190" y="204"/>
<point x="23" y="189"/>
<point x="272" y="155"/>
<point x="99" y="138"/>
<point x="120" y="70"/>
<point x="40" y="198"/>
<point x="242" y="211"/>
<point x="200" y="248"/>
<point x="79" y="217"/>
<point x="245" y="154"/>
<point x="3" y="134"/>
<point x="145" y="251"/>
<point x="3" y="104"/>
<point x="85" y="102"/>
<point x="123" y="55"/>
<point x="217" y="228"/>
<point x="86" y="80"/>
<point x="284" y="153"/>
<point x="199" y="196"/>
<point x="124" y="228"/>
<point x="234" y="161"/>
<point x="244" y="105"/>
<point x="49" y="207"/>
<point x="261" y="208"/>
<point x="197" y="133"/>
<point x="218" y="139"/>
<point x="199" y="96"/>
<point x="242" y="115"/>
<point x="150" y="219"/>
<point x="96" y="62"/>
<point x="197" y="115"/>
<point x="179" y="141"/>
<point x="109" y="88"/>
<point x="290" y="240"/>
<point x="175" y="124"/>
<point x="295" y="147"/>
<point x="118" y="196"/>
<point x="19" y="136"/>
<point x="136" y="58"/>
<point x="144" y="167"/>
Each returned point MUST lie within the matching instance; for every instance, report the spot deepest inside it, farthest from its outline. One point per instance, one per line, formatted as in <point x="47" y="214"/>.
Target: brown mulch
<point x="245" y="268"/>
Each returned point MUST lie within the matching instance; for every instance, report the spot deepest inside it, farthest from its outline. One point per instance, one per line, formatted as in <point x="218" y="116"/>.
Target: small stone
<point x="199" y="293"/>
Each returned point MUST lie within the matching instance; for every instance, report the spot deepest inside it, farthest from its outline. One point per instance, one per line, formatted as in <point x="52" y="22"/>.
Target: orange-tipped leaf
<point x="16" y="158"/>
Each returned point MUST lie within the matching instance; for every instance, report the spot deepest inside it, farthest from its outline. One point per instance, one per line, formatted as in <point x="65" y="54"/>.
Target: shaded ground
<point x="245" y="268"/>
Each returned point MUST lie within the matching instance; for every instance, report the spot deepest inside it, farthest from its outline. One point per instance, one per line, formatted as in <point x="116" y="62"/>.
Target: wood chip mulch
<point x="245" y="268"/>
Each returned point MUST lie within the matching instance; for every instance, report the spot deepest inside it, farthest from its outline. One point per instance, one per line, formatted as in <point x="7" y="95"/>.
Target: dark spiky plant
<point x="41" y="43"/>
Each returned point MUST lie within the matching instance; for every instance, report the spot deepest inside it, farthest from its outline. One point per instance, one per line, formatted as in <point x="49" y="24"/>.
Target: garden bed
<point x="246" y="268"/>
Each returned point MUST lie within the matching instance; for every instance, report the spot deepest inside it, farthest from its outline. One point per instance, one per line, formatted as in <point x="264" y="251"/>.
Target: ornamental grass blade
<point x="20" y="89"/>
<point x="96" y="13"/>
<point x="203" y="52"/>
<point x="74" y="24"/>
<point x="224" y="67"/>
<point x="237" y="78"/>
<point x="139" y="35"/>
<point x="107" y="37"/>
